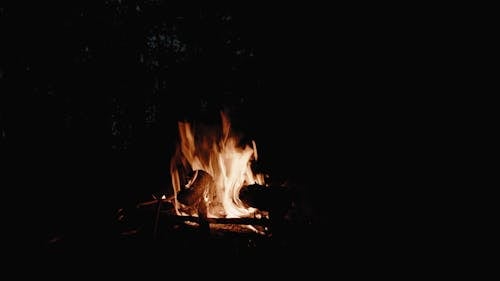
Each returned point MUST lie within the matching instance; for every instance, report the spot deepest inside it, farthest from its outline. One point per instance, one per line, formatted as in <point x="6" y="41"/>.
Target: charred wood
<point x="251" y="221"/>
<point x="192" y="193"/>
<point x="264" y="197"/>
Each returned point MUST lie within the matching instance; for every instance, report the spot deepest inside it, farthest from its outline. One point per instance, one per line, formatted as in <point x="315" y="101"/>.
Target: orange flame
<point x="218" y="153"/>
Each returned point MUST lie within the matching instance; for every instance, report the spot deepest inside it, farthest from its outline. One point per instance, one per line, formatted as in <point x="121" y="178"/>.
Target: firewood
<point x="264" y="197"/>
<point x="192" y="193"/>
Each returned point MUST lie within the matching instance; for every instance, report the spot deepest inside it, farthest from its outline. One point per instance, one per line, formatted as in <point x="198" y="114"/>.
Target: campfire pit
<point x="254" y="195"/>
<point x="216" y="198"/>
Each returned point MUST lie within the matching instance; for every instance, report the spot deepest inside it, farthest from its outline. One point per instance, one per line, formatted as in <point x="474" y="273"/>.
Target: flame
<point x="218" y="153"/>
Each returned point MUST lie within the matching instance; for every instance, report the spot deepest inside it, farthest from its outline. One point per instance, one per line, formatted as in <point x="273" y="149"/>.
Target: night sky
<point x="91" y="96"/>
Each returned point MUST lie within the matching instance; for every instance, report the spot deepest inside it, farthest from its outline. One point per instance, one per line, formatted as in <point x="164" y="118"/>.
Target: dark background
<point x="91" y="96"/>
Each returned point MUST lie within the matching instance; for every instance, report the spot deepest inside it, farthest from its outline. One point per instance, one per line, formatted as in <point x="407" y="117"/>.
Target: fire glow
<point x="209" y="168"/>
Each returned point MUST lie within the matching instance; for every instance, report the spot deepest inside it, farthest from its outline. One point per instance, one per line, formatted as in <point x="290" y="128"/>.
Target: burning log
<point x="265" y="198"/>
<point x="276" y="200"/>
<point x="246" y="221"/>
<point x="193" y="194"/>
<point x="194" y="191"/>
